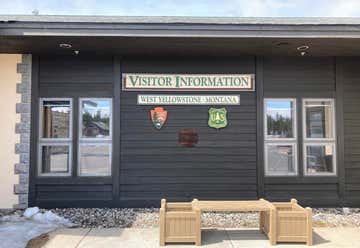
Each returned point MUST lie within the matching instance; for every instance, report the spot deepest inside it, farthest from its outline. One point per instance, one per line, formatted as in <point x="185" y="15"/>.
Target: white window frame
<point x="319" y="141"/>
<point x="41" y="107"/>
<point x="94" y="141"/>
<point x="54" y="174"/>
<point x="294" y="147"/>
<point x="266" y="137"/>
<point x="54" y="141"/>
<point x="306" y="144"/>
<point x="81" y="138"/>
<point x="280" y="141"/>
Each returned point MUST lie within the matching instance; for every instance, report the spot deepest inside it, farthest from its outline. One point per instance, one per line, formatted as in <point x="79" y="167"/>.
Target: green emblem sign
<point x="217" y="118"/>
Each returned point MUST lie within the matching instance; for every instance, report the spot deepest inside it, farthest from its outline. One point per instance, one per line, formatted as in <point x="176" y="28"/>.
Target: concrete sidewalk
<point x="212" y="238"/>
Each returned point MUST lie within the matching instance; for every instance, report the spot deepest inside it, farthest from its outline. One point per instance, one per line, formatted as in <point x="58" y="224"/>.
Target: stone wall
<point x="23" y="128"/>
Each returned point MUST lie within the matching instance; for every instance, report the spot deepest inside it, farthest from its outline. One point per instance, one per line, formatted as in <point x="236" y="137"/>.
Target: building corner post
<point x="23" y="128"/>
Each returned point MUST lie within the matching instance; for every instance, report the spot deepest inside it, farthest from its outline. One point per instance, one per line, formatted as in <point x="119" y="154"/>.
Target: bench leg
<point x="261" y="218"/>
<point x="309" y="234"/>
<point x="162" y="227"/>
<point x="272" y="226"/>
<point x="198" y="226"/>
<point x="198" y="238"/>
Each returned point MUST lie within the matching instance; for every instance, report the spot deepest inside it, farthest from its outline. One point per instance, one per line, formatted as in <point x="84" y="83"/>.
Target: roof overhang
<point x="180" y="35"/>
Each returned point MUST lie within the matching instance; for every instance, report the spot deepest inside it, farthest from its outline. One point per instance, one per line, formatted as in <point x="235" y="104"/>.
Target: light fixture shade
<point x="65" y="45"/>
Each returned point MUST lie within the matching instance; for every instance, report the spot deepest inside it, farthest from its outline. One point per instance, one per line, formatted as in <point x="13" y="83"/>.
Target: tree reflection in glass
<point x="280" y="119"/>
<point x="95" y="118"/>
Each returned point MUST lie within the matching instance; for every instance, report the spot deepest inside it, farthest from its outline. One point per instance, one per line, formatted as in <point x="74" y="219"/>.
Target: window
<point x="280" y="143"/>
<point x="95" y="137"/>
<point x="55" y="137"/>
<point x="319" y="137"/>
<point x="281" y="158"/>
<point x="55" y="158"/>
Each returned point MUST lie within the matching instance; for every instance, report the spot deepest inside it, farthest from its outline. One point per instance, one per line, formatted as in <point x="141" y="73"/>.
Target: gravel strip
<point x="110" y="217"/>
<point x="335" y="217"/>
<point x="148" y="217"/>
<point x="9" y="212"/>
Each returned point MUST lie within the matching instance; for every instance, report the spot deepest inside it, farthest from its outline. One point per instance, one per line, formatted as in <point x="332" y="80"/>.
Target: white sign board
<point x="188" y="82"/>
<point x="188" y="99"/>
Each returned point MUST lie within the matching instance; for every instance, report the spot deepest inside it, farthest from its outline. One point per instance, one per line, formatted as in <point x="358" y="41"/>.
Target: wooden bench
<point x="281" y="222"/>
<point x="179" y="222"/>
<point x="293" y="223"/>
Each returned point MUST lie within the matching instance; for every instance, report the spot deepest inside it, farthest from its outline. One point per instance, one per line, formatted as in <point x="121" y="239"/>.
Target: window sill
<point x="301" y="179"/>
<point x="74" y="180"/>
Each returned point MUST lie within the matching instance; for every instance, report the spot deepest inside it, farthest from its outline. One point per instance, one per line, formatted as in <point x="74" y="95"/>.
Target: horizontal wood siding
<point x="71" y="192"/>
<point x="351" y="85"/>
<point x="74" y="76"/>
<point x="301" y="77"/>
<point x="153" y="163"/>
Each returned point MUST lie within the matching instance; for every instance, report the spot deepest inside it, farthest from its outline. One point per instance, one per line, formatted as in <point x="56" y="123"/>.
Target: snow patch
<point x="17" y="230"/>
<point x="29" y="212"/>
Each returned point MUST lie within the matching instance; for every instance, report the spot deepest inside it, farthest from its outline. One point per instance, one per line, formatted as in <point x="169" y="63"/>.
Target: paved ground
<point x="212" y="238"/>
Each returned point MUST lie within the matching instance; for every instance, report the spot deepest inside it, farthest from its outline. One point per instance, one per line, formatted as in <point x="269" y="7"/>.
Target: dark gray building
<point x="136" y="95"/>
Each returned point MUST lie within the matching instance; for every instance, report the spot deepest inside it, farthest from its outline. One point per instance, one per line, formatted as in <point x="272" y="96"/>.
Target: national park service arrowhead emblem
<point x="158" y="117"/>
<point x="217" y="118"/>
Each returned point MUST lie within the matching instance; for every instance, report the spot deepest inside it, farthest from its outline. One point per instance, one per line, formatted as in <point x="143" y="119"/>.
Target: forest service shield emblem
<point x="217" y="118"/>
<point x="158" y="117"/>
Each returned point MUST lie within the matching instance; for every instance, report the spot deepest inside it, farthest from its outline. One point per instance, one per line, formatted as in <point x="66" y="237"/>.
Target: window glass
<point x="319" y="119"/>
<point x="319" y="158"/>
<point x="319" y="137"/>
<point x="55" y="137"/>
<point x="280" y="137"/>
<point x="280" y="159"/>
<point x="95" y="159"/>
<point x="279" y="118"/>
<point x="55" y="116"/>
<point x="95" y="139"/>
<point x="95" y="118"/>
<point x="55" y="159"/>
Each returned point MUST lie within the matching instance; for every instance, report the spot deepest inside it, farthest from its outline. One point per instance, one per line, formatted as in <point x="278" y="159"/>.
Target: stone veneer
<point x="23" y="128"/>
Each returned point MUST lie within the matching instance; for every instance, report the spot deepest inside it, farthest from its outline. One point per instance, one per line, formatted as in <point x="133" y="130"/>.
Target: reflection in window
<point x="55" y="116"/>
<point x="319" y="137"/>
<point x="95" y="118"/>
<point x="319" y="158"/>
<point x="55" y="159"/>
<point x="55" y="137"/>
<point x="319" y="119"/>
<point x="279" y="118"/>
<point x="95" y="159"/>
<point x="280" y="159"/>
<point x="280" y="137"/>
<point x="95" y="141"/>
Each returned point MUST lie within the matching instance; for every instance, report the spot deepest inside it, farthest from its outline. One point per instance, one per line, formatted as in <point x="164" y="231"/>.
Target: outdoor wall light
<point x="65" y="45"/>
<point x="302" y="48"/>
